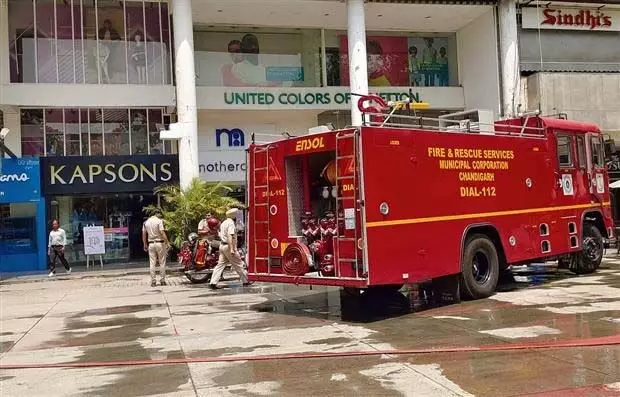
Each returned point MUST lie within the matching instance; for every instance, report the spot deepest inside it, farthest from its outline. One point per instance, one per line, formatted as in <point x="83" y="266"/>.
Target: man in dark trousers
<point x="56" y="248"/>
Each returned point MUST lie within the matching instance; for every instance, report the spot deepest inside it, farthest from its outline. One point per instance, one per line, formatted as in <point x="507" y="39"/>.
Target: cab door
<point x="596" y="167"/>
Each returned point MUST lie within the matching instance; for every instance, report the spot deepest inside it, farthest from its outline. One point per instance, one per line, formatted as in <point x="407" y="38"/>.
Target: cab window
<point x="598" y="154"/>
<point x="581" y="152"/>
<point x="565" y="151"/>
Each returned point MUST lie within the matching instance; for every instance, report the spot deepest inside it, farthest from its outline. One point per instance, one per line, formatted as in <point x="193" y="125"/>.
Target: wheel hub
<point x="480" y="268"/>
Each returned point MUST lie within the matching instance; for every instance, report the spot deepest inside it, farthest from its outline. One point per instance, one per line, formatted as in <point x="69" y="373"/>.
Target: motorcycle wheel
<point x="199" y="278"/>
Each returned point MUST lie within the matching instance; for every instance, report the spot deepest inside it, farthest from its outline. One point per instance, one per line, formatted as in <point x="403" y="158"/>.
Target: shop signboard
<point x="590" y="19"/>
<point x="320" y="98"/>
<point x="20" y="180"/>
<point x="108" y="174"/>
<point x="221" y="149"/>
<point x="94" y="240"/>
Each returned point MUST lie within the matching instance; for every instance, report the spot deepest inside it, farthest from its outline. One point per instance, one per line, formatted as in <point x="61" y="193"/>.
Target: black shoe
<point x="212" y="286"/>
<point x="163" y="282"/>
<point x="153" y="284"/>
<point x="249" y="283"/>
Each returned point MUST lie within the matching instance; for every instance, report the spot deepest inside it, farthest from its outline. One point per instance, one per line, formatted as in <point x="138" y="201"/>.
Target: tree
<point x="183" y="209"/>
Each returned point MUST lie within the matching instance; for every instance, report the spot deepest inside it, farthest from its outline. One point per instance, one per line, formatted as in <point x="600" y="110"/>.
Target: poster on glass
<point x="250" y="60"/>
<point x="428" y="61"/>
<point x="386" y="59"/>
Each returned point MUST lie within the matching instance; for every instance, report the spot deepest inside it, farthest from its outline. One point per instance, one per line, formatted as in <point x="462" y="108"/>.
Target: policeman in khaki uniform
<point x="156" y="244"/>
<point x="228" y="251"/>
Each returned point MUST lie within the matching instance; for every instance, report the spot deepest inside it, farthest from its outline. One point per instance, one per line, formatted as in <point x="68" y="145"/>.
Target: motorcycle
<point x="198" y="258"/>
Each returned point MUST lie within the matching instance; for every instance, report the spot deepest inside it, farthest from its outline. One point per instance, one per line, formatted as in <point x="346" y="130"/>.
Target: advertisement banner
<point x="428" y="62"/>
<point x="387" y="61"/>
<point x="94" y="240"/>
<point x="108" y="174"/>
<point x="20" y="180"/>
<point x="250" y="60"/>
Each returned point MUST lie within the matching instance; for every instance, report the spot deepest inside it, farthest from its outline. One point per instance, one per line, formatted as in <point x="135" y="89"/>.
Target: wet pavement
<point x="547" y="333"/>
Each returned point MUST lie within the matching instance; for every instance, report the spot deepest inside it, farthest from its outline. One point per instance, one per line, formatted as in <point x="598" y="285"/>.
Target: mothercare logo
<point x="23" y="177"/>
<point x="230" y="138"/>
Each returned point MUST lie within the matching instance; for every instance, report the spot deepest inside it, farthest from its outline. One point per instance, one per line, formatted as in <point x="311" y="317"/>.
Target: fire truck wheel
<point x="480" y="268"/>
<point x="591" y="255"/>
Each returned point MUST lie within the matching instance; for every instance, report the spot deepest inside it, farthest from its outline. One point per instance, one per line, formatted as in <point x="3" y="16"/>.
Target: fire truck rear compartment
<point x="317" y="235"/>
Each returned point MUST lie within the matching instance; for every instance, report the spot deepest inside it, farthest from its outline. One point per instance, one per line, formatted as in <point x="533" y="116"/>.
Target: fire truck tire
<point x="480" y="267"/>
<point x="592" y="249"/>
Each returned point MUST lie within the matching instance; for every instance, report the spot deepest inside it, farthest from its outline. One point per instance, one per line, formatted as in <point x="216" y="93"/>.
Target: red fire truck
<point x="405" y="199"/>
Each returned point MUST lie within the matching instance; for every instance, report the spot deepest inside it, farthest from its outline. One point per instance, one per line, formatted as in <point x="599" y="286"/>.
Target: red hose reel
<point x="297" y="260"/>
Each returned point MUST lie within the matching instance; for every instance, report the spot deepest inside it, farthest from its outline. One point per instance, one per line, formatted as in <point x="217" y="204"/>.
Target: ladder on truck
<point x="261" y="203"/>
<point x="342" y="138"/>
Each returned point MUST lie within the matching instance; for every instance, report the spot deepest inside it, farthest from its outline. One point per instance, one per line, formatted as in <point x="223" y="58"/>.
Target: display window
<point x="89" y="42"/>
<point x="121" y="215"/>
<point x="258" y="58"/>
<point x="396" y="59"/>
<point x="93" y="132"/>
<point x="18" y="229"/>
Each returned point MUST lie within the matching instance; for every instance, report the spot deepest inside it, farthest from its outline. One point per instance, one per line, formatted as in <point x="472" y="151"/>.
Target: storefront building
<point x="91" y="78"/>
<point x="570" y="61"/>
<point x="281" y="69"/>
<point x="108" y="191"/>
<point x="23" y="243"/>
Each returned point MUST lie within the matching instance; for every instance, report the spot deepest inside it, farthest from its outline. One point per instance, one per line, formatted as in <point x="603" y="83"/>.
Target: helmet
<point x="213" y="223"/>
<point x="192" y="237"/>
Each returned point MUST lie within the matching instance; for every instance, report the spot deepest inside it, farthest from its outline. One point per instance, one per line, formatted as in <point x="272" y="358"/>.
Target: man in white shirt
<point x="56" y="248"/>
<point x="228" y="251"/>
<point x="156" y="244"/>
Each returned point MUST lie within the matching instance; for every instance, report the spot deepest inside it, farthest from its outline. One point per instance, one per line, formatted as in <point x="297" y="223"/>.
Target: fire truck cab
<point x="405" y="199"/>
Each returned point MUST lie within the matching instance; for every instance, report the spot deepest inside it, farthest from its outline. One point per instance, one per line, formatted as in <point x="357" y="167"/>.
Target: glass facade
<point x="89" y="42"/>
<point x="120" y="214"/>
<point x="18" y="229"/>
<point x="260" y="58"/>
<point x="396" y="59"/>
<point x="264" y="57"/>
<point x="91" y="132"/>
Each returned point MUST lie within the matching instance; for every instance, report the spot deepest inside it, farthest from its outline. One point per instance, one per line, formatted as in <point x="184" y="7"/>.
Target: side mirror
<point x="610" y="147"/>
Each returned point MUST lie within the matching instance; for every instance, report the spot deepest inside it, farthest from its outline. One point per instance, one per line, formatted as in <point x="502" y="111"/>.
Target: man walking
<point x="56" y="248"/>
<point x="228" y="251"/>
<point x="156" y="244"/>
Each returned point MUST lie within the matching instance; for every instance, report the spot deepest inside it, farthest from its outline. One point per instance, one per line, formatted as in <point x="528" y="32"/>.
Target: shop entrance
<point x="121" y="215"/>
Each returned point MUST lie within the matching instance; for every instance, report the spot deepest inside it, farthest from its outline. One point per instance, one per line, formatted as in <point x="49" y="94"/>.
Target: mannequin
<point x="103" y="55"/>
<point x="138" y="55"/>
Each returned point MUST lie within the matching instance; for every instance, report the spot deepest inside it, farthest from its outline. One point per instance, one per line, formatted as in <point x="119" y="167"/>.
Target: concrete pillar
<point x="509" y="56"/>
<point x="358" y="67"/>
<point x="186" y="90"/>
<point x="4" y="43"/>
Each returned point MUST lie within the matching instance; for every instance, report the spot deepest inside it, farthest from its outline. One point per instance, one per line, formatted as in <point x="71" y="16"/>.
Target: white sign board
<point x="221" y="150"/>
<point x="590" y="19"/>
<point x="94" y="240"/>
<point x="319" y="98"/>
